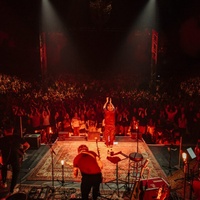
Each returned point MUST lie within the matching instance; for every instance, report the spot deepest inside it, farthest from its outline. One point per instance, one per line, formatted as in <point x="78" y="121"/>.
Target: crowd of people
<point x="77" y="105"/>
<point x="74" y="103"/>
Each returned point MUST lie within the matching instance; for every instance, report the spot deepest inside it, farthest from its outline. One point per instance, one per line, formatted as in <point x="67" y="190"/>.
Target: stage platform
<point x="122" y="143"/>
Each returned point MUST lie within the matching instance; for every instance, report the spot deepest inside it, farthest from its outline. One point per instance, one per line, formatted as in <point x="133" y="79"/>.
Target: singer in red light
<point x="109" y="116"/>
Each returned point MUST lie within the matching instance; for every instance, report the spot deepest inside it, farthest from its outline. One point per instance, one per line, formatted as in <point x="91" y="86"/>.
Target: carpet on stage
<point x="67" y="150"/>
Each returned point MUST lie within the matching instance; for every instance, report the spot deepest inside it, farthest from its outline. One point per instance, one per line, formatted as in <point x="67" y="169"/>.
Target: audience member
<point x="142" y="118"/>
<point x="74" y="95"/>
<point x="35" y="118"/>
<point x="66" y="123"/>
<point x="82" y="122"/>
<point x="75" y="123"/>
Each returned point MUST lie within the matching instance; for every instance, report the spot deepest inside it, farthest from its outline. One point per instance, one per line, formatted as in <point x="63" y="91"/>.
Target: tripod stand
<point x="63" y="183"/>
<point x="137" y="131"/>
<point x="169" y="167"/>
<point x="115" y="160"/>
<point x="52" y="166"/>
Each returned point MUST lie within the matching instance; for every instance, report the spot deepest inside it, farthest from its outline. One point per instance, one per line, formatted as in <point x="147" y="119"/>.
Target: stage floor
<point x="168" y="161"/>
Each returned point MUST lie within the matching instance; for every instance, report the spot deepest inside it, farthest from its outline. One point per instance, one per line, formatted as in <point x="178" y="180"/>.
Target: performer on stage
<point x="12" y="149"/>
<point x="90" y="165"/>
<point x="109" y="116"/>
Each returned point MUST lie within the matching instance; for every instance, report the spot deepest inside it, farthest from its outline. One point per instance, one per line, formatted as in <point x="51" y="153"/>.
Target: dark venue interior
<point x="61" y="59"/>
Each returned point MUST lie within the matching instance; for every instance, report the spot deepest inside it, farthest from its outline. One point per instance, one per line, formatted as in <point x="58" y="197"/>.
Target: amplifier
<point x="155" y="188"/>
<point x="62" y="136"/>
<point x="92" y="136"/>
<point x="34" y="140"/>
<point x="134" y="135"/>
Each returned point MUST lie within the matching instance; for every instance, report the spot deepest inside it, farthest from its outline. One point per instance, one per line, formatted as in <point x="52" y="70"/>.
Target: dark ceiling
<point x="98" y="29"/>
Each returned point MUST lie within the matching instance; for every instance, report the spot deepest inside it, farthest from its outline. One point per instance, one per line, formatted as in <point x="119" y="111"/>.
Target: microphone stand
<point x="115" y="160"/>
<point x="169" y="168"/>
<point x="52" y="166"/>
<point x="63" y="183"/>
<point x="137" y="137"/>
<point x="180" y="152"/>
<point x="191" y="183"/>
<point x="185" y="178"/>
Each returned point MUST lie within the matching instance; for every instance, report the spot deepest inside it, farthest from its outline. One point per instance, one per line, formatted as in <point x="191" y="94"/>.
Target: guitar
<point x="163" y="192"/>
<point x="98" y="152"/>
<point x="98" y="158"/>
<point x="137" y="188"/>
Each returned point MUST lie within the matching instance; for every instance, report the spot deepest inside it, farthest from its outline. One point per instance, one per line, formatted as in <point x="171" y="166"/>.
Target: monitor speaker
<point x="93" y="136"/>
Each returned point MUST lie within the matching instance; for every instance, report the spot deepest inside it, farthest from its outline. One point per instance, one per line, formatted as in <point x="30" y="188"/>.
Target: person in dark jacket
<point x="12" y="149"/>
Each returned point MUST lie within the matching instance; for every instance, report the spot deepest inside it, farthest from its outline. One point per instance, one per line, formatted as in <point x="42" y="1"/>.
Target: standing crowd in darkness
<point x="75" y="105"/>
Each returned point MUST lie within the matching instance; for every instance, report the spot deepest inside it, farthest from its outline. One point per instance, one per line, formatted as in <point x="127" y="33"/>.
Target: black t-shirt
<point x="10" y="148"/>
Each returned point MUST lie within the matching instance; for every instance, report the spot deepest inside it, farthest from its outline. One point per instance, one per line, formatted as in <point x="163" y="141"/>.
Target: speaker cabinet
<point x="62" y="136"/>
<point x="34" y="140"/>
